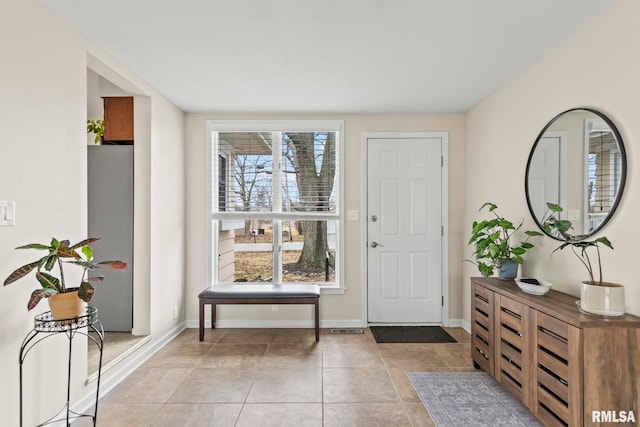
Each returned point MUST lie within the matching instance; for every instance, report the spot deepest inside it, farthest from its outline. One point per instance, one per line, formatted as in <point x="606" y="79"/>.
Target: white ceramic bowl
<point x="533" y="289"/>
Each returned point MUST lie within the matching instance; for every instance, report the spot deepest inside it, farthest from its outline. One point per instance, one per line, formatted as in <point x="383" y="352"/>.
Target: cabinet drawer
<point x="511" y="322"/>
<point x="552" y="343"/>
<point x="482" y="299"/>
<point x="551" y="324"/>
<point x="548" y="417"/>
<point x="514" y="355"/>
<point x="558" y="384"/>
<point x="482" y="329"/>
<point x="516" y="309"/>
<point x="553" y="383"/>
<point x="482" y="319"/>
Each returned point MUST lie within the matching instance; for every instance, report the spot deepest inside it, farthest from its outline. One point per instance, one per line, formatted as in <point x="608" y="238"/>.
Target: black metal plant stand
<point x="45" y="324"/>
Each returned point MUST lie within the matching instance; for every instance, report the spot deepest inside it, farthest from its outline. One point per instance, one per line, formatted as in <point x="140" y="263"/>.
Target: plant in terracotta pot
<point x="61" y="252"/>
<point x="596" y="296"/>
<point x="493" y="247"/>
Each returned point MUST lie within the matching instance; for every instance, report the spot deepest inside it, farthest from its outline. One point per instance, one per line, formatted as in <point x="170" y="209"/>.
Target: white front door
<point x="404" y="220"/>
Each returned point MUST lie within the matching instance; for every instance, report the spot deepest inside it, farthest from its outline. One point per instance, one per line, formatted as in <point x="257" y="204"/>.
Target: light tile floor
<point x="280" y="377"/>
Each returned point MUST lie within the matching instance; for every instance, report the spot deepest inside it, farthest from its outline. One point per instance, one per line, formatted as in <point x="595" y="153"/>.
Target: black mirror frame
<point x="623" y="170"/>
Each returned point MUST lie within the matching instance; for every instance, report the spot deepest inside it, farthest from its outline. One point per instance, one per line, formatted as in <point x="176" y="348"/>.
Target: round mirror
<point x="578" y="163"/>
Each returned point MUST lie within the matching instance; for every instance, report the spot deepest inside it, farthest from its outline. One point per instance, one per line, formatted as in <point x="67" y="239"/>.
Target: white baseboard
<point x="349" y="323"/>
<point x="460" y="323"/>
<point x="118" y="373"/>
<point x="243" y="323"/>
<point x="455" y="323"/>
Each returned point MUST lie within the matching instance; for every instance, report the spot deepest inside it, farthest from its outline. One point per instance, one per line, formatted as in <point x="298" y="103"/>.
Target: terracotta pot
<point x="66" y="306"/>
<point x="606" y="299"/>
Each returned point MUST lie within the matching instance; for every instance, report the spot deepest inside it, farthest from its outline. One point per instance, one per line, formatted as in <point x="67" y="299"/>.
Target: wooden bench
<point x="258" y="294"/>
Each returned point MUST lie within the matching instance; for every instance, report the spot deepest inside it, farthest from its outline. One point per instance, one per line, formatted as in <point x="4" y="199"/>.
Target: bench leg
<point x="213" y="316"/>
<point x="317" y="310"/>
<point x="201" y="320"/>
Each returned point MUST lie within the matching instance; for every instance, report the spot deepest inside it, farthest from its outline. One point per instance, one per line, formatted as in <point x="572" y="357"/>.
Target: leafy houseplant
<point x="578" y="243"/>
<point x="61" y="252"/>
<point x="596" y="296"/>
<point x="493" y="248"/>
<point x="96" y="127"/>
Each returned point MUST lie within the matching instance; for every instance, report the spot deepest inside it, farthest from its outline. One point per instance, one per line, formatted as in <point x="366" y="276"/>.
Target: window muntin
<point x="282" y="194"/>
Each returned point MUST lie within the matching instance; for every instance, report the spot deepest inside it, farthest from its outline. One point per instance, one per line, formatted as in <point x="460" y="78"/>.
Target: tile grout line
<point x="190" y="370"/>
<point x="253" y="379"/>
<point x="395" y="387"/>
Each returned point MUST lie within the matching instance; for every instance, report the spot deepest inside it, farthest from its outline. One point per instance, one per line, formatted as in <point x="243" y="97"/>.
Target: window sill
<point x="332" y="290"/>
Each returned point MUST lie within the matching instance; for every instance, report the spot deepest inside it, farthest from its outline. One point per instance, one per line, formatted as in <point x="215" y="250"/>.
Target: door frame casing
<point x="444" y="138"/>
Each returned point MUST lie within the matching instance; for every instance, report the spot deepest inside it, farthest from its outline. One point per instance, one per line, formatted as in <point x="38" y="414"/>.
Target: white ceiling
<point x="327" y="56"/>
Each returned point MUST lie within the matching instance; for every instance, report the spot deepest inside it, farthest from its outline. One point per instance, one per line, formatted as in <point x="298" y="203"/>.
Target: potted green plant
<point x="493" y="248"/>
<point x="596" y="296"/>
<point x="63" y="298"/>
<point x="96" y="127"/>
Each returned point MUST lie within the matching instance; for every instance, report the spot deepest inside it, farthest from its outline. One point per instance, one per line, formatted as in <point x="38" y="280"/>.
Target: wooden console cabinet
<point x="562" y="364"/>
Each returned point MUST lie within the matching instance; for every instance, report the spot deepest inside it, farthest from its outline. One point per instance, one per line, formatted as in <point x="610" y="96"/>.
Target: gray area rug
<point x="459" y="399"/>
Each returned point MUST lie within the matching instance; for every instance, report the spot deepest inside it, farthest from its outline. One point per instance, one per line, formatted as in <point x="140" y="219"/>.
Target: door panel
<point x="404" y="217"/>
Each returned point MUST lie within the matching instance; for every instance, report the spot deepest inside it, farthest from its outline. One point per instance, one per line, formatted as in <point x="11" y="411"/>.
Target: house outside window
<point x="275" y="212"/>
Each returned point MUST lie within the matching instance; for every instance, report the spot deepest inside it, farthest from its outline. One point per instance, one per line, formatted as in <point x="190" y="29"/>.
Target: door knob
<point x="374" y="218"/>
<point x="376" y="244"/>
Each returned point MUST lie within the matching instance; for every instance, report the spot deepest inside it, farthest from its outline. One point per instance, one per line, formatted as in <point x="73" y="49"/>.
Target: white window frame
<point x="215" y="126"/>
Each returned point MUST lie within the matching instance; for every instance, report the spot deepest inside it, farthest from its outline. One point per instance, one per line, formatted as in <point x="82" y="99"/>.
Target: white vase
<point x="606" y="299"/>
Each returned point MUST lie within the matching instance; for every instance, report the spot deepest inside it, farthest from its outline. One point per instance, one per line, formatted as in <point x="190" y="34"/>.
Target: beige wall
<point x="43" y="108"/>
<point x="343" y="309"/>
<point x="597" y="67"/>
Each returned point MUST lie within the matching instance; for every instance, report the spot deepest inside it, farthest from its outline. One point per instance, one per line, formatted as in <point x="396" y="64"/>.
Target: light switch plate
<point x="7" y="214"/>
<point x="352" y="214"/>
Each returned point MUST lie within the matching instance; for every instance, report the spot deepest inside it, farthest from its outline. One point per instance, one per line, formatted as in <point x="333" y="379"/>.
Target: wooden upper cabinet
<point x="118" y="119"/>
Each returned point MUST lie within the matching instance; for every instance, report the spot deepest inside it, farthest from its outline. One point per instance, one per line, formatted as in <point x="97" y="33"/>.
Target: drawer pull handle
<point x="483" y="354"/>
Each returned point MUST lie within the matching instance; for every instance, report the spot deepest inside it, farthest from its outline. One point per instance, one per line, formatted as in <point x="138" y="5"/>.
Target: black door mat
<point x="411" y="334"/>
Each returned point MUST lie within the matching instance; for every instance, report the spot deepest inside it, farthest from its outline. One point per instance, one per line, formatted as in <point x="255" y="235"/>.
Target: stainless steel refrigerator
<point x="110" y="210"/>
